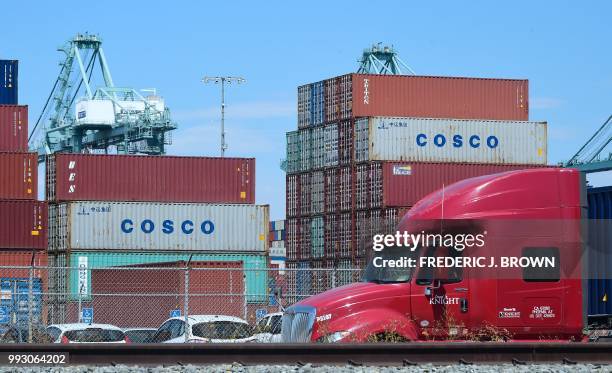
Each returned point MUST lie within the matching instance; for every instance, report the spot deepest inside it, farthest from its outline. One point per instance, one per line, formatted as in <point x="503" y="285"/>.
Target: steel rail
<point x="394" y="354"/>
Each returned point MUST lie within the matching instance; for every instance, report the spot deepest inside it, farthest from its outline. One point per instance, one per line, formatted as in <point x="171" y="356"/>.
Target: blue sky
<point x="561" y="47"/>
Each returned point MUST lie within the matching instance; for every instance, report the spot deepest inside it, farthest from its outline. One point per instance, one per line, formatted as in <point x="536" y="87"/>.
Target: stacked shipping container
<point x="138" y="210"/>
<point x="8" y="82"/>
<point x="600" y="250"/>
<point x="23" y="233"/>
<point x="277" y="233"/>
<point x="369" y="146"/>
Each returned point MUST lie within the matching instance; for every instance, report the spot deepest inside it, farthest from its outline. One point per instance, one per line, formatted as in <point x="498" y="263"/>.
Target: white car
<point x="204" y="329"/>
<point x="268" y="329"/>
<point x="140" y="335"/>
<point x="86" y="333"/>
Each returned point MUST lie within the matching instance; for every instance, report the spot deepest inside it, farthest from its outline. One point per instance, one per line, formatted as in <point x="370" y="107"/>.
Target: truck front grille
<point x="297" y="324"/>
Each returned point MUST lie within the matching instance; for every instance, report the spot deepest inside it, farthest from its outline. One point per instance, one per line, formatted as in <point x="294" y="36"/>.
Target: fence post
<point x="30" y="302"/>
<point x="244" y="281"/>
<point x="186" y="305"/>
<point x="333" y="284"/>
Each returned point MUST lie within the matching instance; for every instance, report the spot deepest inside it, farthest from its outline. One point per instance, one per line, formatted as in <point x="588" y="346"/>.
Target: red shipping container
<point x="345" y="188"/>
<point x="330" y="238"/>
<point x="400" y="184"/>
<point x="21" y="258"/>
<point x="292" y="238"/>
<point x="13" y="128"/>
<point x="23" y="225"/>
<point x="404" y="183"/>
<point x="19" y="175"/>
<point x="304" y="193"/>
<point x="345" y="236"/>
<point x="331" y="190"/>
<point x="88" y="177"/>
<point x="150" y="301"/>
<point x="304" y="243"/>
<point x="439" y="97"/>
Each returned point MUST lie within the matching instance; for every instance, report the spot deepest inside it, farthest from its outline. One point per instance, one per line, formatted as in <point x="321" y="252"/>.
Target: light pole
<point x="223" y="80"/>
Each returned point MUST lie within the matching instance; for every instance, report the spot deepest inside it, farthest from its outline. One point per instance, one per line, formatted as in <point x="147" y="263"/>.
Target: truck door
<point x="440" y="298"/>
<point x="531" y="297"/>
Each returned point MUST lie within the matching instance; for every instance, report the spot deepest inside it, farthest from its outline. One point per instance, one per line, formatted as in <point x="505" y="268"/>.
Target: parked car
<point x="19" y="334"/>
<point x="203" y="329"/>
<point x="86" y="333"/>
<point x="268" y="329"/>
<point x="140" y="335"/>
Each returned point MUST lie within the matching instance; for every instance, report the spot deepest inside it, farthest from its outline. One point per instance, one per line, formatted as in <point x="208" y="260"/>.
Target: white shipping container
<point x="451" y="140"/>
<point x="149" y="226"/>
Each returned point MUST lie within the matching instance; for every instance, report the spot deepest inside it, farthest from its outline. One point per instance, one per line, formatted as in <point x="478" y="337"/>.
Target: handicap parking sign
<point x="5" y="316"/>
<point x="175" y="313"/>
<point x="87" y="315"/>
<point x="260" y="313"/>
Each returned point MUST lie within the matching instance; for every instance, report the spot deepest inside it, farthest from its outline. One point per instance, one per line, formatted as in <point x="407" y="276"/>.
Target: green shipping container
<point x="256" y="281"/>
<point x="317" y="237"/>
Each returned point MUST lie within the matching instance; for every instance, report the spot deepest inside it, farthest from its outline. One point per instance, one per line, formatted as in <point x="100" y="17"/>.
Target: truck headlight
<point x="334" y="337"/>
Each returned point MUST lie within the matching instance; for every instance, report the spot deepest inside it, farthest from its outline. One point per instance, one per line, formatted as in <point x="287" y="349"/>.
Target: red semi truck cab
<point x="523" y="217"/>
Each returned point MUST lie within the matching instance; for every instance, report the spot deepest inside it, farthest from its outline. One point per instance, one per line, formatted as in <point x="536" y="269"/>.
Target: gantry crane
<point x="595" y="155"/>
<point x="79" y="118"/>
<point x="383" y="61"/>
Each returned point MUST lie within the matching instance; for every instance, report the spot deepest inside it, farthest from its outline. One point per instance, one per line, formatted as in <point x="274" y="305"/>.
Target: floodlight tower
<point x="223" y="80"/>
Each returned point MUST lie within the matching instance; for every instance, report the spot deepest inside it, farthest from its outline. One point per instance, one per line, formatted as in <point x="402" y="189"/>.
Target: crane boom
<point x="592" y="157"/>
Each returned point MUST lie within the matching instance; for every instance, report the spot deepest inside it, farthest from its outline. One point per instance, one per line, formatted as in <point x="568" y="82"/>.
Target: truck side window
<point x="446" y="275"/>
<point x="425" y="275"/>
<point x="544" y="264"/>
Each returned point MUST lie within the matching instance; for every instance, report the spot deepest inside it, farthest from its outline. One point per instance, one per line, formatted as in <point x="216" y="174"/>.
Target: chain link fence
<point x="144" y="297"/>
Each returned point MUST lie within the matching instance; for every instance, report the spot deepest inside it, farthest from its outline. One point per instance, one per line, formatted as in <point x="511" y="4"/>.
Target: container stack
<point x="278" y="260"/>
<point x="122" y="210"/>
<point x="23" y="233"/>
<point x="368" y="147"/>
<point x="276" y="236"/>
<point x="600" y="249"/>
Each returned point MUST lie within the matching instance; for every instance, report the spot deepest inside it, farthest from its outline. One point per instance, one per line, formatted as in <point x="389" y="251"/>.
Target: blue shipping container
<point x="317" y="103"/>
<point x="600" y="254"/>
<point x="8" y="82"/>
<point x="279" y="235"/>
<point x="277" y="225"/>
<point x="14" y="300"/>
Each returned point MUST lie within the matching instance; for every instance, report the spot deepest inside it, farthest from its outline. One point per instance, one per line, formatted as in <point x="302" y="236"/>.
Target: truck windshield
<point x="382" y="267"/>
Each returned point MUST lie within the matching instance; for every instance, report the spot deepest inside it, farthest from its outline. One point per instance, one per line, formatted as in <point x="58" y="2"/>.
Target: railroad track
<point x="323" y="354"/>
